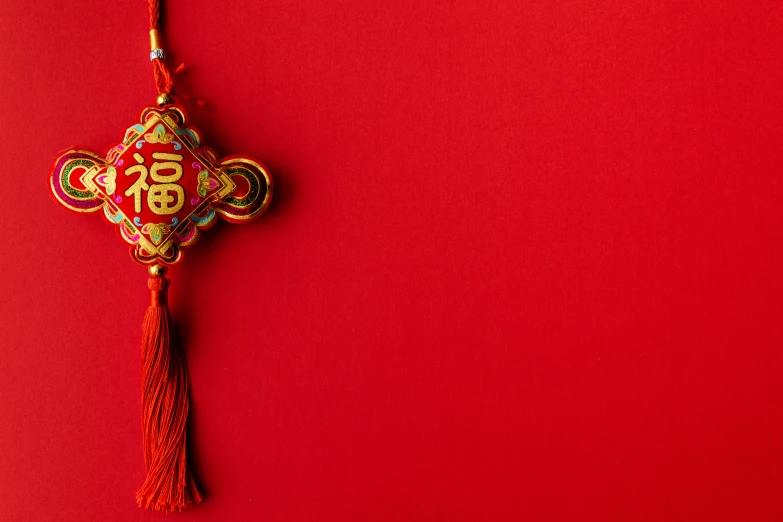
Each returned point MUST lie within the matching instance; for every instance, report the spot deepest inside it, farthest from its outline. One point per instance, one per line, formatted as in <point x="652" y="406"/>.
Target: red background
<point x="523" y="262"/>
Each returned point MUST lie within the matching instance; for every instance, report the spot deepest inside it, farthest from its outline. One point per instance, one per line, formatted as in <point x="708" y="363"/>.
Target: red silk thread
<point x="169" y="485"/>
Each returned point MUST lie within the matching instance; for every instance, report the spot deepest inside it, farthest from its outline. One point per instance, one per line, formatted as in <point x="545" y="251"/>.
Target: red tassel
<point x="169" y="485"/>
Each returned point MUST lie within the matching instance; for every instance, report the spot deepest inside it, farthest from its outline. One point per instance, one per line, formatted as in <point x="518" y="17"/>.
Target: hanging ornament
<point x="161" y="187"/>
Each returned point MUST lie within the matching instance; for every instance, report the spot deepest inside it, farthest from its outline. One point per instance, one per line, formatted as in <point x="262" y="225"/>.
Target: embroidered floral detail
<point x="159" y="135"/>
<point x="205" y="183"/>
<point x="108" y="180"/>
<point x="156" y="231"/>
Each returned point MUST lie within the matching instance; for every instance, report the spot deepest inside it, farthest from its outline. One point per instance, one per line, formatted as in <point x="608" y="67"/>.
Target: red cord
<point x="163" y="78"/>
<point x="154" y="14"/>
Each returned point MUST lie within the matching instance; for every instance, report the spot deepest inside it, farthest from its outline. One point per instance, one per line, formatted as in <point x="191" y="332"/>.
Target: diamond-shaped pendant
<point x="161" y="186"/>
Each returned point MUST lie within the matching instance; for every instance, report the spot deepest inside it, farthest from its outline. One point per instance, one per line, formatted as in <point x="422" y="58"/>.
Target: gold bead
<point x="157" y="270"/>
<point x="164" y="99"/>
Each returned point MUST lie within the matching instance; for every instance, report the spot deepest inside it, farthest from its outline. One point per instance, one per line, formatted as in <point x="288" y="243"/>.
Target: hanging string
<point x="164" y="79"/>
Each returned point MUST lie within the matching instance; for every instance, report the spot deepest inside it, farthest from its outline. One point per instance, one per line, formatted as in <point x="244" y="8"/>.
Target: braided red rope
<point x="154" y="13"/>
<point x="163" y="78"/>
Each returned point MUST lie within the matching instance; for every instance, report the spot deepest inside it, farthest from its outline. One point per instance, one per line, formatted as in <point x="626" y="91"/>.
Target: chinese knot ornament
<point x="161" y="187"/>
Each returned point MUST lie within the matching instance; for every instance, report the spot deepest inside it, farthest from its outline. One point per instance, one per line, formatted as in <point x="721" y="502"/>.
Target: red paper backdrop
<point x="524" y="262"/>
